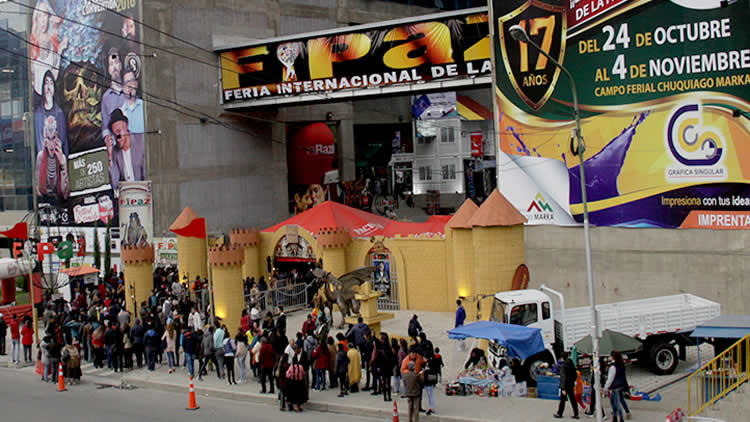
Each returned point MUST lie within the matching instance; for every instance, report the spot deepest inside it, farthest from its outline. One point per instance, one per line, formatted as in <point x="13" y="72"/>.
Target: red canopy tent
<point x="331" y="214"/>
<point x="360" y="223"/>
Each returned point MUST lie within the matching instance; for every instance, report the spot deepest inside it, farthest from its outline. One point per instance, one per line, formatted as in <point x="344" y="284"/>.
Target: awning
<point x="434" y="228"/>
<point x="724" y="326"/>
<point x="520" y="341"/>
<point x="80" y="271"/>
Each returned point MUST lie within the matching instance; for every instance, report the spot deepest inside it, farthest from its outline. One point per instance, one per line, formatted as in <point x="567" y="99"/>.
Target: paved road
<point x="25" y="397"/>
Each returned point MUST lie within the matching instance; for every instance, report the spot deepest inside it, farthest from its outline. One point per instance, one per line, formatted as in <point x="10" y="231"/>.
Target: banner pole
<point x="210" y="282"/>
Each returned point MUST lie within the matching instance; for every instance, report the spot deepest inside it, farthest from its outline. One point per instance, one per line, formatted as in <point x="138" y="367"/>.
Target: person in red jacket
<point x="322" y="359"/>
<point x="27" y="334"/>
<point x="15" y="337"/>
<point x="267" y="359"/>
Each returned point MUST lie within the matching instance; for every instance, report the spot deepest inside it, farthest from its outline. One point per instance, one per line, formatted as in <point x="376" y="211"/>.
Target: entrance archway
<point x="385" y="277"/>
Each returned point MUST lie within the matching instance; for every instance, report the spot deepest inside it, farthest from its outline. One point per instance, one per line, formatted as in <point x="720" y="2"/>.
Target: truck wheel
<point x="663" y="358"/>
<point x="532" y="364"/>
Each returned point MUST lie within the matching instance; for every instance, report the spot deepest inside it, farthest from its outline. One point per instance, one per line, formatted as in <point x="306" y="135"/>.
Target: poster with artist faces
<point x="88" y="110"/>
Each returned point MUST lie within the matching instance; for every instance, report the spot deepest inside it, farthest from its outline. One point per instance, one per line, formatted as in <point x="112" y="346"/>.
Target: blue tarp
<point x="520" y="341"/>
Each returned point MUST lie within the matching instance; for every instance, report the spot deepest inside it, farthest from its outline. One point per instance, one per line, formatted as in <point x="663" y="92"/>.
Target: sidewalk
<point x="450" y="408"/>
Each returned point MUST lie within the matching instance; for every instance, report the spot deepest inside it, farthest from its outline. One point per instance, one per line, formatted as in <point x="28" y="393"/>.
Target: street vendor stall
<point x="480" y="379"/>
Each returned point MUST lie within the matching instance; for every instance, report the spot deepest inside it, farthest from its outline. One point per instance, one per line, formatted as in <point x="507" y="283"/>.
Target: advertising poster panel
<point x="165" y="249"/>
<point x="88" y="112"/>
<point x="136" y="214"/>
<point x="663" y="88"/>
<point x="447" y="46"/>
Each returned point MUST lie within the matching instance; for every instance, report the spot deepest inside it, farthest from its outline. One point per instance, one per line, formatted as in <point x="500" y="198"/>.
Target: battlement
<point x="333" y="237"/>
<point x="137" y="255"/>
<point x="245" y="237"/>
<point x="226" y="255"/>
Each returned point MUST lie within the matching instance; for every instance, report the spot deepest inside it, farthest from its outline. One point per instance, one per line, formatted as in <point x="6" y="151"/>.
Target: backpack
<point x="295" y="372"/>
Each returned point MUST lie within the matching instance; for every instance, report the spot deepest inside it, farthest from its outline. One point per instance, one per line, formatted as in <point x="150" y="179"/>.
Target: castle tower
<point x="138" y="266"/>
<point x="249" y="241"/>
<point x="229" y="299"/>
<point x="461" y="250"/>
<point x="191" y="251"/>
<point x="498" y="247"/>
<point x="333" y="242"/>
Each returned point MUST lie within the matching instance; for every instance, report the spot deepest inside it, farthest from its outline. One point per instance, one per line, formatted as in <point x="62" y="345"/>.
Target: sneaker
<point x="340" y="395"/>
<point x="557" y="416"/>
<point x="576" y="417"/>
<point x="628" y="416"/>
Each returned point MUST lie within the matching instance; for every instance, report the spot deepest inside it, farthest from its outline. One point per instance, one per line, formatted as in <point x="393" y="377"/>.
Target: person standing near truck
<point x="616" y="384"/>
<point x="568" y="376"/>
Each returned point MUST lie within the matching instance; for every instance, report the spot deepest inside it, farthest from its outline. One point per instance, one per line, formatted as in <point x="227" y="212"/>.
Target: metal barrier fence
<point x="719" y="377"/>
<point x="291" y="297"/>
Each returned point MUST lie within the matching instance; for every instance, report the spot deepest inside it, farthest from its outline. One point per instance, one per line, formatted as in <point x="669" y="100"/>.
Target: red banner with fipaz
<point x="477" y="138"/>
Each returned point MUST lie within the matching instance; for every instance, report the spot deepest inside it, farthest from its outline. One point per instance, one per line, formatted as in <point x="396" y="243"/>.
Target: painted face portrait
<point x="49" y="89"/>
<point x="50" y="133"/>
<point x="130" y="85"/>
<point x="122" y="135"/>
<point x="114" y="66"/>
<point x="128" y="28"/>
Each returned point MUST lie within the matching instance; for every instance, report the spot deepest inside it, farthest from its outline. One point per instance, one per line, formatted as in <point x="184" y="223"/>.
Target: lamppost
<point x="519" y="34"/>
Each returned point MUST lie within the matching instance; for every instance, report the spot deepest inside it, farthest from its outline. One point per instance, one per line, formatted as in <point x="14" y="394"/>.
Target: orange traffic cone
<point x="192" y="405"/>
<point x="395" y="412"/>
<point x="61" y="380"/>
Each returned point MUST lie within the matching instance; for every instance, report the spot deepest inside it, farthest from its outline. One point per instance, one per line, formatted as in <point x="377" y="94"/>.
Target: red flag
<point x="19" y="231"/>
<point x="196" y="228"/>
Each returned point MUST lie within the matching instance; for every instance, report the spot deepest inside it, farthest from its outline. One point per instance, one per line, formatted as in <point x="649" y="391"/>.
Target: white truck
<point x="660" y="323"/>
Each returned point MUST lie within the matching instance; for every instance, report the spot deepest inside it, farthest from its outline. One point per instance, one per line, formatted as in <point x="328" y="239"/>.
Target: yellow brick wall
<point x="228" y="294"/>
<point x="498" y="251"/>
<point x="334" y="261"/>
<point x="424" y="278"/>
<point x="140" y="277"/>
<point x="191" y="257"/>
<point x="462" y="248"/>
<point x="251" y="266"/>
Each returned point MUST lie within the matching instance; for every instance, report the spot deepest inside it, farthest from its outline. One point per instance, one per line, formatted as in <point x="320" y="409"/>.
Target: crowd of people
<point x="173" y="328"/>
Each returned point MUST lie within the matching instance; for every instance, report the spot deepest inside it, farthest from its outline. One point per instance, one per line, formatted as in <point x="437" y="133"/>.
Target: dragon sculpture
<point x="340" y="291"/>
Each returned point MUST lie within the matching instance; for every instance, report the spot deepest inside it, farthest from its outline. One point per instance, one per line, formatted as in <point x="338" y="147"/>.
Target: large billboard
<point x="443" y="47"/>
<point x="88" y="113"/>
<point x="664" y="95"/>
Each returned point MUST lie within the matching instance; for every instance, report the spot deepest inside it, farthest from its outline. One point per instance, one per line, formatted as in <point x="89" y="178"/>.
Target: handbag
<point x="430" y="379"/>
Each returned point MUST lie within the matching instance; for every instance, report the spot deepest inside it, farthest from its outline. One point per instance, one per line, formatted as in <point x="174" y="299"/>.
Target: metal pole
<point x="586" y="231"/>
<point x="29" y="140"/>
<point x="210" y="285"/>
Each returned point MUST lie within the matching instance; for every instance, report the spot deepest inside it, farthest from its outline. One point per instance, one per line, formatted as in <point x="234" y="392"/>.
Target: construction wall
<point x="641" y="263"/>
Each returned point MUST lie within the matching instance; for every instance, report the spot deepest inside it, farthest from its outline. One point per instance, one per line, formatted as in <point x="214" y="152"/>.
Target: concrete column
<point x="138" y="267"/>
<point x="345" y="149"/>
<point x="229" y="299"/>
<point x="249" y="241"/>
<point x="333" y="242"/>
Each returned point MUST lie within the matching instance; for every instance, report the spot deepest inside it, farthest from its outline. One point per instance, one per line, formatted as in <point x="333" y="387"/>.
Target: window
<point x="545" y="310"/>
<point x="425" y="173"/>
<point x="425" y="140"/>
<point x="498" y="312"/>
<point x="449" y="172"/>
<point x="524" y="314"/>
<point x="447" y="135"/>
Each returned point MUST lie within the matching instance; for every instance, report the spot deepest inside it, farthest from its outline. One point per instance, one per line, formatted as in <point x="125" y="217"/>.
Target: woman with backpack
<point x="295" y="376"/>
<point x="431" y="372"/>
<point x="229" y="351"/>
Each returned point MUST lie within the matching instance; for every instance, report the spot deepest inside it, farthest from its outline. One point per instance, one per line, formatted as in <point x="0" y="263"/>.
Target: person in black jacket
<point x="414" y="328"/>
<point x="568" y="376"/>
<point x="137" y="333"/>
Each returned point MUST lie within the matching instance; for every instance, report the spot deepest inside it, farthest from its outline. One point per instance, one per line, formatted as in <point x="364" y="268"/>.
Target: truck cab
<point x="530" y="308"/>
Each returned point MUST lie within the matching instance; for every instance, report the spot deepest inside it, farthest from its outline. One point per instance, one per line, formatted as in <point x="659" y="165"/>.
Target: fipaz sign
<point x="441" y="47"/>
<point x="64" y="250"/>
